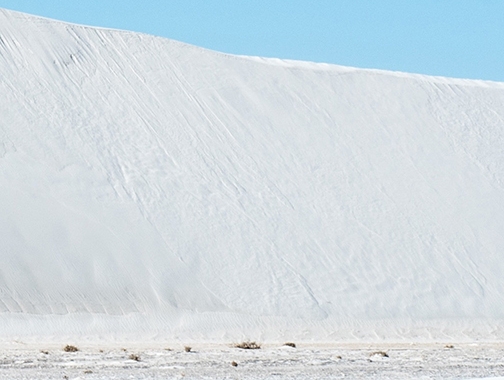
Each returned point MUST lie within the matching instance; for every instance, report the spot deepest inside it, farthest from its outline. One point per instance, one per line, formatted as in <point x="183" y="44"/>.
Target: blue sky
<point x="457" y="38"/>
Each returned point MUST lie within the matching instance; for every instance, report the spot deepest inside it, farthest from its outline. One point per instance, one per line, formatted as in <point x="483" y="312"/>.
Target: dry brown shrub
<point x="69" y="348"/>
<point x="134" y="357"/>
<point x="248" y="345"/>
<point x="383" y="354"/>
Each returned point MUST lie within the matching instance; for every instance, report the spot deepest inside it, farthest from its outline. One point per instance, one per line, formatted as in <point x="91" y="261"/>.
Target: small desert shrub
<point x="234" y="364"/>
<point x="187" y="349"/>
<point x="88" y="371"/>
<point x="134" y="357"/>
<point x="449" y="346"/>
<point x="248" y="345"/>
<point x="290" y="344"/>
<point x="383" y="354"/>
<point x="69" y="348"/>
<point x="44" y="352"/>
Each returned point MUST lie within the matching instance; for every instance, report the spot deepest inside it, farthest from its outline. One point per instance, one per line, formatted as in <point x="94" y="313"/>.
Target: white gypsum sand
<point x="152" y="190"/>
<point x="272" y="361"/>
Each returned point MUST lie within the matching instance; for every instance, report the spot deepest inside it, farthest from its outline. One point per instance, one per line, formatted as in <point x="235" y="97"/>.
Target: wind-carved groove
<point x="69" y="60"/>
<point x="3" y="44"/>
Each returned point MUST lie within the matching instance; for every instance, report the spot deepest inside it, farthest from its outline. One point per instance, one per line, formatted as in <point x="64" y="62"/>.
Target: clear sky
<point x="457" y="38"/>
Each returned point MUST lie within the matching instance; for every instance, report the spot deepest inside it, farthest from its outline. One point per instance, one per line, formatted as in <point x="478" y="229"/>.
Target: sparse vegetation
<point x="449" y="346"/>
<point x="69" y="348"/>
<point x="234" y="364"/>
<point x="134" y="357"/>
<point x="88" y="371"/>
<point x="248" y="345"/>
<point x="290" y="344"/>
<point x="187" y="349"/>
<point x="44" y="352"/>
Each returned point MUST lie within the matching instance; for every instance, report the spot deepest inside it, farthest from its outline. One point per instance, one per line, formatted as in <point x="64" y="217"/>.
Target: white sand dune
<point x="153" y="189"/>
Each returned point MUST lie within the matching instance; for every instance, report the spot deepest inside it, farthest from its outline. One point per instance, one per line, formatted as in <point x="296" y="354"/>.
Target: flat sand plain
<point x="443" y="360"/>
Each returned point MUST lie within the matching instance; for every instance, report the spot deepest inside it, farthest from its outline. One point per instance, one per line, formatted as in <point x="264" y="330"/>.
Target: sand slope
<point x="154" y="187"/>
